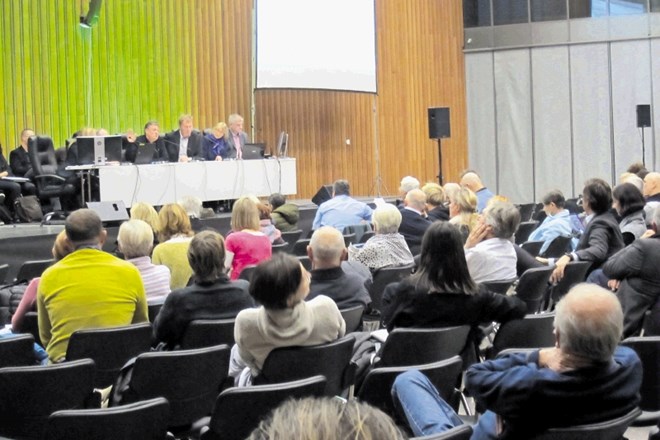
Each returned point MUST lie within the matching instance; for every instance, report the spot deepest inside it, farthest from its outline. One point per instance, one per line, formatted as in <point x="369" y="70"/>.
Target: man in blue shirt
<point x="472" y="181"/>
<point x="557" y="223"/>
<point x="342" y="210"/>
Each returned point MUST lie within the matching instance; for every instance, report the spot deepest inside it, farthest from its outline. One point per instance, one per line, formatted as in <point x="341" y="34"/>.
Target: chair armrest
<point x="50" y="177"/>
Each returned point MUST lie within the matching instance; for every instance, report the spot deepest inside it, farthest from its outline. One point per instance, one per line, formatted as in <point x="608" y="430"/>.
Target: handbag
<point x="28" y="209"/>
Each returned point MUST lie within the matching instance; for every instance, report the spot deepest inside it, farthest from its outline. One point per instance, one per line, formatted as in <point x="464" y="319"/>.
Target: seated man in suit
<point x="413" y="223"/>
<point x="12" y="190"/>
<point x="585" y="378"/>
<point x="151" y="136"/>
<point x="236" y="138"/>
<point x="19" y="159"/>
<point x="184" y="144"/>
<point x="326" y="250"/>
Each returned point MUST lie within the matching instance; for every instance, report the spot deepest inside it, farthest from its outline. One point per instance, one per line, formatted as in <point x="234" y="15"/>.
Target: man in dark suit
<point x="413" y="223"/>
<point x="184" y="144"/>
<point x="236" y="138"/>
<point x="151" y="136"/>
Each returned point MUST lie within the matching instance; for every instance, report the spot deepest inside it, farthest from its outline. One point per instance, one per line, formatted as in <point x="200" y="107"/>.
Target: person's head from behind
<point x="146" y="212"/>
<point x="634" y="179"/>
<point x="264" y="211"/>
<point x="451" y="188"/>
<point x="62" y="246"/>
<point x="326" y="248"/>
<point x="471" y="180"/>
<point x="651" y="184"/>
<point x="174" y="220"/>
<point x="553" y="202"/>
<point x="192" y="205"/>
<point x="408" y="183"/>
<point x="151" y="131"/>
<point x="464" y="201"/>
<point x="503" y="219"/>
<point x="636" y="167"/>
<point x="135" y="238"/>
<point x="279" y="283"/>
<point x="627" y="199"/>
<point x="596" y="196"/>
<point x="84" y="227"/>
<point x="235" y="122"/>
<point x="341" y="188"/>
<point x="185" y="125"/>
<point x="245" y="215"/>
<point x="219" y="130"/>
<point x="435" y="195"/>
<point x="276" y="200"/>
<point x="442" y="265"/>
<point x="415" y="199"/>
<point x="326" y="418"/>
<point x="206" y="255"/>
<point x="386" y="219"/>
<point x="589" y="323"/>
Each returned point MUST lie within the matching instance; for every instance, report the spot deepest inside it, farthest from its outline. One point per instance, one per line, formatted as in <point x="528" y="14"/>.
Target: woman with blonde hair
<point x="463" y="211"/>
<point x="435" y="202"/>
<point x="215" y="143"/>
<point x="147" y="213"/>
<point x="246" y="244"/>
<point x="175" y="235"/>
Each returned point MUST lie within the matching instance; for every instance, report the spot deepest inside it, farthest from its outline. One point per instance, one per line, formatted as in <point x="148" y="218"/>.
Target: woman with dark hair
<point x="629" y="204"/>
<point x="442" y="293"/>
<point x="280" y="285"/>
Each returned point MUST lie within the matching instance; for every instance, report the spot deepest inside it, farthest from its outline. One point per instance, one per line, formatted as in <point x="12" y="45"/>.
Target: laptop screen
<point x="253" y="151"/>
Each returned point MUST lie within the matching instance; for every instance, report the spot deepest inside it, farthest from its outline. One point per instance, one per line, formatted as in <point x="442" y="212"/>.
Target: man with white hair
<point x="651" y="193"/>
<point x="413" y="223"/>
<point x="585" y="378"/>
<point x="472" y="181"/>
<point x="236" y="138"/>
<point x="408" y="183"/>
<point x="634" y="179"/>
<point x="327" y="251"/>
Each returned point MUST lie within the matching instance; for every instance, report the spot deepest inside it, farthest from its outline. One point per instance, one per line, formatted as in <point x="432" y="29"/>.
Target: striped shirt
<point x="156" y="278"/>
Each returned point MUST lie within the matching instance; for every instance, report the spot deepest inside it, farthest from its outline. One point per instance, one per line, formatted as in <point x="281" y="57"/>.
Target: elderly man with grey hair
<point x="327" y="251"/>
<point x="489" y="251"/>
<point x="387" y="247"/>
<point x="413" y="222"/>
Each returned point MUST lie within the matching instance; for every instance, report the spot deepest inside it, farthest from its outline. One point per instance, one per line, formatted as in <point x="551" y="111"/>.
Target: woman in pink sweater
<point x="246" y="244"/>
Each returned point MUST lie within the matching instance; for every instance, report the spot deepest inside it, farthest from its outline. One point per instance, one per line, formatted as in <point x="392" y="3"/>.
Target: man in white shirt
<point x="184" y="144"/>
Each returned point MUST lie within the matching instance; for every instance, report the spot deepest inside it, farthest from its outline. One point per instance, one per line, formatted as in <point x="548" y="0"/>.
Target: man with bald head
<point x="651" y="194"/>
<point x="413" y="222"/>
<point x="585" y="378"/>
<point x="327" y="251"/>
<point x="472" y="181"/>
<point x="89" y="288"/>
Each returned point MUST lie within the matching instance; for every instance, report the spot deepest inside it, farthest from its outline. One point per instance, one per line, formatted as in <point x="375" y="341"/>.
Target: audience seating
<point x="291" y="237"/>
<point x="609" y="430"/>
<point x="146" y="420"/>
<point x="349" y="239"/>
<point x="332" y="360"/>
<point x="31" y="326"/>
<point x="366" y="236"/>
<point x="532" y="247"/>
<point x="533" y="331"/>
<point x="463" y="432"/>
<point x="648" y="350"/>
<point x="359" y="230"/>
<point x="501" y="287"/>
<point x="533" y="286"/>
<point x="246" y="273"/>
<point x="306" y="262"/>
<point x="282" y="247"/>
<point x="377" y="385"/>
<point x="238" y="411"/>
<point x="557" y="247"/>
<point x="651" y="324"/>
<point x="153" y="308"/>
<point x="208" y="332"/>
<point x="17" y="351"/>
<point x="526" y="211"/>
<point x="32" y="269"/>
<point x="188" y="379"/>
<point x="4" y="269"/>
<point x="353" y="318"/>
<point x="29" y="395"/>
<point x="44" y="164"/>
<point x="524" y="229"/>
<point x="109" y="348"/>
<point x="299" y="248"/>
<point x="383" y="277"/>
<point x="574" y="273"/>
<point x="417" y="346"/>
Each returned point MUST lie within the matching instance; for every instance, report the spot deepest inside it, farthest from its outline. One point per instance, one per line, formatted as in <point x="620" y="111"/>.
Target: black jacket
<point x="601" y="239"/>
<point x="173" y="139"/>
<point x="413" y="226"/>
<point x="345" y="288"/>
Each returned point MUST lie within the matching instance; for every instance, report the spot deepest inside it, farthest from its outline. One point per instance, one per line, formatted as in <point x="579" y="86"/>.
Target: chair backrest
<point x="462" y="432"/>
<point x="31" y="325"/>
<point x="500" y="286"/>
<point x="282" y="247"/>
<point x="383" y="277"/>
<point x="377" y="385"/>
<point x="291" y="237"/>
<point x="349" y="239"/>
<point x="208" y="332"/>
<point x="188" y="379"/>
<point x="533" y="331"/>
<point x="359" y="230"/>
<point x="353" y="318"/>
<point x="42" y="155"/>
<point x="651" y="323"/>
<point x="246" y="273"/>
<point x="416" y="346"/>
<point x="299" y="248"/>
<point x="306" y="262"/>
<point x="557" y="247"/>
<point x="526" y="211"/>
<point x="366" y="236"/>
<point x="146" y="420"/>
<point x="574" y="273"/>
<point x="238" y="411"/>
<point x="532" y="247"/>
<point x="648" y="350"/>
<point x="532" y="287"/>
<point x="110" y="348"/>
<point x="331" y="360"/>
<point x="32" y="269"/>
<point x="153" y="308"/>
<point x="524" y="229"/>
<point x="17" y="351"/>
<point x="608" y="430"/>
<point x="4" y="269"/>
<point x="29" y="395"/>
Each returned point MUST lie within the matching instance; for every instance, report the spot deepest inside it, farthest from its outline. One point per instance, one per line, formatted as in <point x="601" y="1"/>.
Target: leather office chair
<point x="533" y="331"/>
<point x="417" y="346"/>
<point x="109" y="348"/>
<point x="17" y="351"/>
<point x="648" y="350"/>
<point x="533" y="286"/>
<point x="29" y="395"/>
<point x="208" y="332"/>
<point x="238" y="411"/>
<point x="353" y="318"/>
<point x="49" y="184"/>
<point x="146" y="420"/>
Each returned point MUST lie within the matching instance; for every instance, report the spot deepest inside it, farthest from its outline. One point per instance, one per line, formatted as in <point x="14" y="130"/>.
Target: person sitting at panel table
<point x="19" y="161"/>
<point x="215" y="143"/>
<point x="184" y="144"/>
<point x="236" y="138"/>
<point x="151" y="136"/>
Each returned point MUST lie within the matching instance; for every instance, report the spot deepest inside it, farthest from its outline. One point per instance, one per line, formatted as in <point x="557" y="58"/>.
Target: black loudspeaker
<point x="643" y="115"/>
<point x="439" y="123"/>
<point x="323" y="194"/>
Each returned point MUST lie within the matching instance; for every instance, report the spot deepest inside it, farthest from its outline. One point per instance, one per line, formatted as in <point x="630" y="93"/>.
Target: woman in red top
<point x="246" y="244"/>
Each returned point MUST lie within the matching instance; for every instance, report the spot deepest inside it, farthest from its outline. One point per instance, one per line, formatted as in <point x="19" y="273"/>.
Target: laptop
<point x="145" y="154"/>
<point x="253" y="151"/>
<point x="114" y="211"/>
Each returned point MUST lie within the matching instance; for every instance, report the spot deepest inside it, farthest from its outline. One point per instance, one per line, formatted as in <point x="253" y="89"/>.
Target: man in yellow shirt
<point x="88" y="288"/>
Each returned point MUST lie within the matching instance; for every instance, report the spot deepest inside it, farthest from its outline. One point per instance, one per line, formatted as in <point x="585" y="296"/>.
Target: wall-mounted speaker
<point x="439" y="123"/>
<point x="643" y="115"/>
<point x="323" y="194"/>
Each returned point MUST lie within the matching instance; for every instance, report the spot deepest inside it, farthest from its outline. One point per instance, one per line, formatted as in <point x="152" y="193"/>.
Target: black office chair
<point x="417" y="346"/>
<point x="238" y="411"/>
<point x="353" y="318"/>
<point x="462" y="432"/>
<point x="648" y="350"/>
<point x="377" y="385"/>
<point x="574" y="273"/>
<point x="291" y="237"/>
<point x="17" y="351"/>
<point x="557" y="247"/>
<point x="49" y="184"/>
<point x="501" y="287"/>
<point x="383" y="277"/>
<point x="145" y="420"/>
<point x="533" y="248"/>
<point x="109" y="348"/>
<point x="608" y="430"/>
<point x="32" y="269"/>
<point x="331" y="360"/>
<point x="524" y="229"/>
<point x="188" y="379"/>
<point x="533" y="286"/>
<point x="533" y="331"/>
<point x="208" y="332"/>
<point x="29" y="395"/>
<point x="299" y="248"/>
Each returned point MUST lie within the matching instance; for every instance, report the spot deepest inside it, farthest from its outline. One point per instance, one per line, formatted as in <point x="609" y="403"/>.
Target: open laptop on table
<point x="253" y="151"/>
<point x="145" y="154"/>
